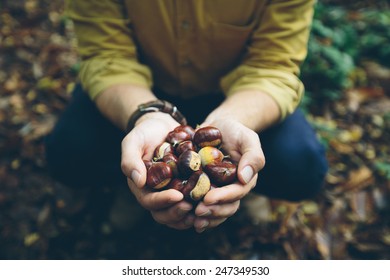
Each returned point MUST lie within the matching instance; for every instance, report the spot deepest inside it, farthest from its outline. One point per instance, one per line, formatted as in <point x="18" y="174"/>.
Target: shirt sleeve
<point x="276" y="49"/>
<point x="106" y="47"/>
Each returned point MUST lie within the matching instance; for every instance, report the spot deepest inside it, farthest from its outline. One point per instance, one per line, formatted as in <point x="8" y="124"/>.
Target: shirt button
<point x="185" y="25"/>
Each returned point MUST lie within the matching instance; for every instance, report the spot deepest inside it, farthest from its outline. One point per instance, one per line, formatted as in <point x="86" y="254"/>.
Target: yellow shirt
<point x="194" y="47"/>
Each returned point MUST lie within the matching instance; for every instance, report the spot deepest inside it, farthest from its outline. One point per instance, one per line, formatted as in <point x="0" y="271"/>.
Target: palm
<point x="231" y="142"/>
<point x="153" y="133"/>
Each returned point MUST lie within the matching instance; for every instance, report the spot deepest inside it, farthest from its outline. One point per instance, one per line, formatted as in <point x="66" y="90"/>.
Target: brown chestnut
<point x="207" y="136"/>
<point x="162" y="150"/>
<point x="158" y="175"/>
<point x="171" y="160"/>
<point x="186" y="128"/>
<point x="184" y="146"/>
<point x="148" y="163"/>
<point x="210" y="155"/>
<point x="177" y="184"/>
<point x="197" y="186"/>
<point x="175" y="137"/>
<point x="222" y="173"/>
<point x="189" y="162"/>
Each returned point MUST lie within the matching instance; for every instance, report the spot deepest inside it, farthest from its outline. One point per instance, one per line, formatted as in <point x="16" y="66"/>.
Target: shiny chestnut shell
<point x="177" y="184"/>
<point x="197" y="186"/>
<point x="221" y="173"/>
<point x="162" y="150"/>
<point x="208" y="136"/>
<point x="148" y="163"/>
<point x="184" y="146"/>
<point x="175" y="137"/>
<point x="172" y="160"/>
<point x="158" y="175"/>
<point x="185" y="128"/>
<point x="210" y="155"/>
<point x="189" y="162"/>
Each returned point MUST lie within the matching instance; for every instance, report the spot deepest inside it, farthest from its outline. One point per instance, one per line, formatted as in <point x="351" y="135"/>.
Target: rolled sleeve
<point x="106" y="46"/>
<point x="96" y="75"/>
<point x="276" y="49"/>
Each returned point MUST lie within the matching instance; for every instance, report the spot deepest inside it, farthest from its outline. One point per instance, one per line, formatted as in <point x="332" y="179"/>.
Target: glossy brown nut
<point x="197" y="186"/>
<point x="184" y="146"/>
<point x="172" y="160"/>
<point x="189" y="162"/>
<point x="185" y="128"/>
<point x="175" y="137"/>
<point x="158" y="175"/>
<point x="208" y="136"/>
<point x="221" y="173"/>
<point x="210" y="155"/>
<point x="177" y="184"/>
<point x="148" y="163"/>
<point x="162" y="150"/>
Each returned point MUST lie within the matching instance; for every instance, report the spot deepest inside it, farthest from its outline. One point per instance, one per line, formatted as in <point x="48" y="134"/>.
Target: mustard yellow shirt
<point x="194" y="47"/>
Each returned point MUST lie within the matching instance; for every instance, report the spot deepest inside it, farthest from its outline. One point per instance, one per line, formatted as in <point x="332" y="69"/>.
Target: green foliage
<point x="340" y="40"/>
<point x="383" y="168"/>
<point x="375" y="36"/>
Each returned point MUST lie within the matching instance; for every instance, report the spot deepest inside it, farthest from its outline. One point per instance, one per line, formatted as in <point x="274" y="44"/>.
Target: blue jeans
<point x="84" y="149"/>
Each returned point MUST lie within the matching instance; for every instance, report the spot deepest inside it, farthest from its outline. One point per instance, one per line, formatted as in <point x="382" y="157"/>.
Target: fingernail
<point x="135" y="177"/>
<point x="215" y="202"/>
<point x="182" y="212"/>
<point x="205" y="214"/>
<point x="247" y="174"/>
<point x="202" y="227"/>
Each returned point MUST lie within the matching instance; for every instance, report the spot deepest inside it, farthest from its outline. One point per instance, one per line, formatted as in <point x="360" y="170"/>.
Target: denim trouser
<point x="84" y="149"/>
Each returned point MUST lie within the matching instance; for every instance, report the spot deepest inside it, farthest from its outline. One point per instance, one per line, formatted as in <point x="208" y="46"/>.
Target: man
<point x="226" y="63"/>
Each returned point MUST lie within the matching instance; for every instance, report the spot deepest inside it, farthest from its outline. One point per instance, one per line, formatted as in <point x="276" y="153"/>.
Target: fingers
<point x="167" y="207"/>
<point x="252" y="159"/>
<point x="212" y="216"/>
<point x="185" y="223"/>
<point x="140" y="143"/>
<point x="132" y="153"/>
<point x="174" y="216"/>
<point x="229" y="193"/>
<point x="152" y="200"/>
<point x="217" y="211"/>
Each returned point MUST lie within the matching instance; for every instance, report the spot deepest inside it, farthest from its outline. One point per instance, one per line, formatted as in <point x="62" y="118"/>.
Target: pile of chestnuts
<point x="191" y="162"/>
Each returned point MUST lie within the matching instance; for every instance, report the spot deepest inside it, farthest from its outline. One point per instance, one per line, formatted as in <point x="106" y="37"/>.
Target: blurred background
<point x="347" y="77"/>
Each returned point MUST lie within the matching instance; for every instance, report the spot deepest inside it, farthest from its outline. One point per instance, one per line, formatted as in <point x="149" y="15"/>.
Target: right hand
<point x="167" y="207"/>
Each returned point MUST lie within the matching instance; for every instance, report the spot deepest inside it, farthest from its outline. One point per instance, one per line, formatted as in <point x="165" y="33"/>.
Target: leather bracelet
<point x="155" y="106"/>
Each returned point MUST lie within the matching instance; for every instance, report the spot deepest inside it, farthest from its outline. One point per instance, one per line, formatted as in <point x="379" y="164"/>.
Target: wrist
<point x="253" y="109"/>
<point x="160" y="106"/>
<point x="118" y="102"/>
<point x="156" y="116"/>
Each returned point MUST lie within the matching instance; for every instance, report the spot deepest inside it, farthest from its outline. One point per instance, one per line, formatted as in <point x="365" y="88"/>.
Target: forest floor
<point x="43" y="219"/>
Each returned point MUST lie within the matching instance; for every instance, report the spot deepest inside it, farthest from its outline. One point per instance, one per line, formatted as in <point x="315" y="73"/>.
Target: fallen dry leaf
<point x="360" y="178"/>
<point x="357" y="96"/>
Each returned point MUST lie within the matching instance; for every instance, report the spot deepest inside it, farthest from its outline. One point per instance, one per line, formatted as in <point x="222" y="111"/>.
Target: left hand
<point x="243" y="146"/>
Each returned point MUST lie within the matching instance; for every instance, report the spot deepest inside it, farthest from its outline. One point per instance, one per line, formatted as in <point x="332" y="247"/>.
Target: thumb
<point x="132" y="164"/>
<point x="252" y="160"/>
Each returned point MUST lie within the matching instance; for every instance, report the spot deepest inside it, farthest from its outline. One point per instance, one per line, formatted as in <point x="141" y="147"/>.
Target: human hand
<point x="243" y="146"/>
<point x="167" y="206"/>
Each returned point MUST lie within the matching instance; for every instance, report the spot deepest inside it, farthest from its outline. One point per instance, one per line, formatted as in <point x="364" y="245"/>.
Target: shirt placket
<point x="184" y="26"/>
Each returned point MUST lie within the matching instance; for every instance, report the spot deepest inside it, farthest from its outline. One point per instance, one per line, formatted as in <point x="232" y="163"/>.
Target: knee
<point x="306" y="172"/>
<point x="295" y="172"/>
<point x="78" y="160"/>
<point x="61" y="157"/>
